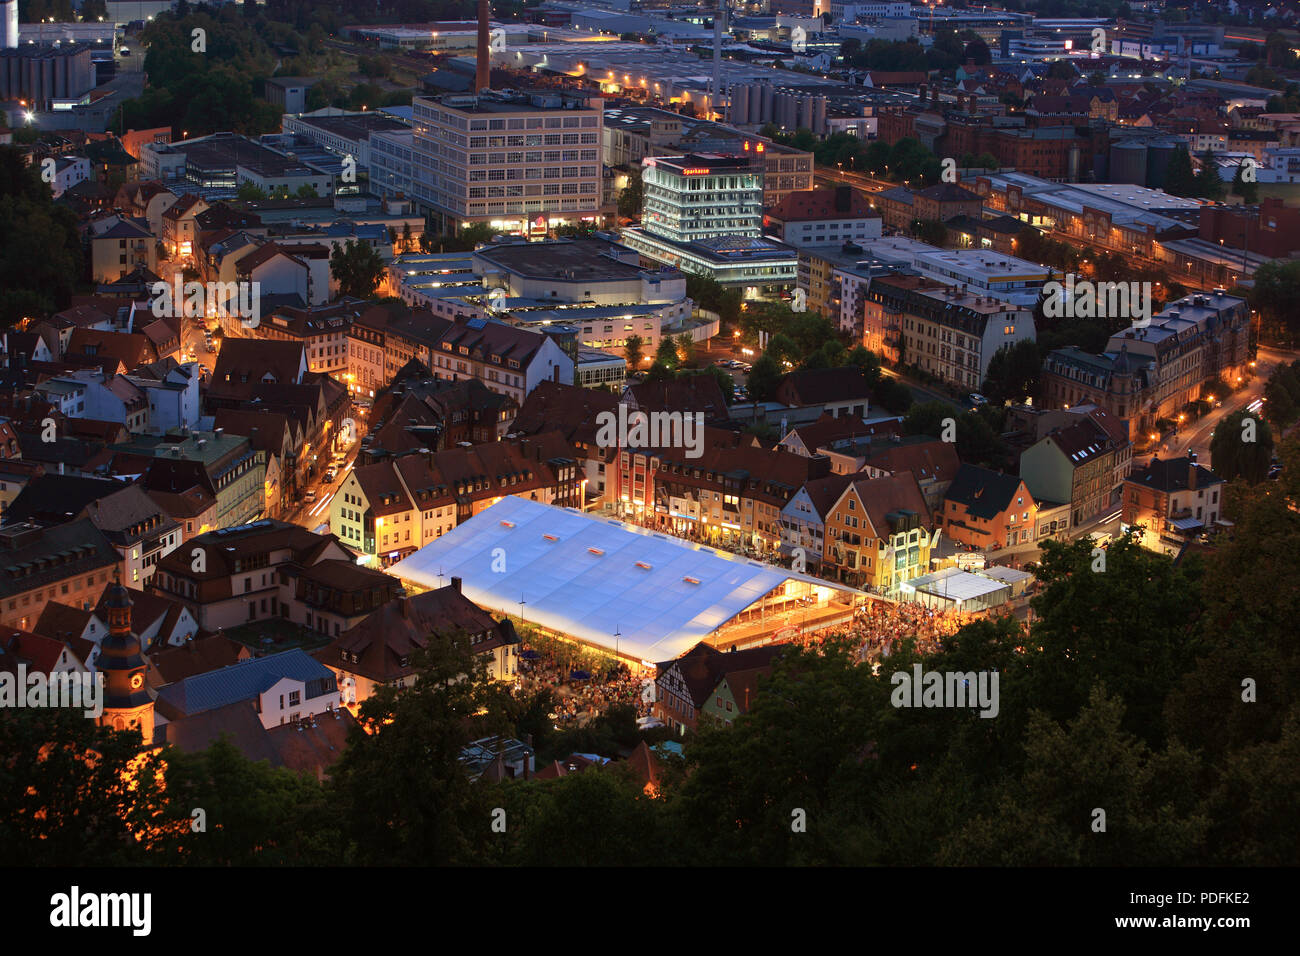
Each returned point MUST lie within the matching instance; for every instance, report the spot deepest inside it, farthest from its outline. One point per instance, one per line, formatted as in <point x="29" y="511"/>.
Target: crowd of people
<point x="688" y="531"/>
<point x="878" y="625"/>
<point x="583" y="686"/>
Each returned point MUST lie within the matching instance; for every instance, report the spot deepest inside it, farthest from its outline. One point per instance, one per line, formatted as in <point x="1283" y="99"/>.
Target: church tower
<point x="127" y="702"/>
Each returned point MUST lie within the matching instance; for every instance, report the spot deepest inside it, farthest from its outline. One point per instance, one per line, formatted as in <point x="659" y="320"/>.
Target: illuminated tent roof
<point x="590" y="576"/>
<point x="955" y="585"/>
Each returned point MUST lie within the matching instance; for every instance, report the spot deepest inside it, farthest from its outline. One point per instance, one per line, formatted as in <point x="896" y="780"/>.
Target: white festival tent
<point x="591" y="577"/>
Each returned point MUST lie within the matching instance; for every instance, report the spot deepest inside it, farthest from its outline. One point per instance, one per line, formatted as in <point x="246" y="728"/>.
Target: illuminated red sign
<point x="695" y="172"/>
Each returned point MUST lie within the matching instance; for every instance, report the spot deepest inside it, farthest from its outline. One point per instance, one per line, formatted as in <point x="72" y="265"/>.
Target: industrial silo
<point x="769" y="107"/>
<point x="806" y="118"/>
<point x="787" y="111"/>
<point x="1159" y="153"/>
<point x="1128" y="163"/>
<point x="756" y="104"/>
<point x="739" y="105"/>
<point x="819" y="116"/>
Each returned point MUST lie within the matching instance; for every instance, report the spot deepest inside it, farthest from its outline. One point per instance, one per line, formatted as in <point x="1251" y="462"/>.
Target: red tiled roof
<point x="811" y="205"/>
<point x="390" y="634"/>
<point x="882" y="496"/>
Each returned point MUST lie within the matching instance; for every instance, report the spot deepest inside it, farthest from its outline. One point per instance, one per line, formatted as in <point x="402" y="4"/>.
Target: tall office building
<point x="703" y="213"/>
<point x="699" y="196"/>
<point x="523" y="162"/>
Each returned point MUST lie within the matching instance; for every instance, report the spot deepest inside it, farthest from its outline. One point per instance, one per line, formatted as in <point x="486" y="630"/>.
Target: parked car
<point x="309" y="497"/>
<point x="330" y="474"/>
<point x="977" y="399"/>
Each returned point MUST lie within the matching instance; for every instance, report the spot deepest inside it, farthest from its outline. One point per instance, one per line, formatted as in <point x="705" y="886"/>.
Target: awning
<point x="1186" y="524"/>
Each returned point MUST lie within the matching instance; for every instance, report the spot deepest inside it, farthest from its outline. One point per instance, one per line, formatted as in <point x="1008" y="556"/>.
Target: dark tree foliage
<point x="30" y="223"/>
<point x="357" y="267"/>
<point x="73" y="793"/>
<point x="1014" y="372"/>
<point x="1242" y="447"/>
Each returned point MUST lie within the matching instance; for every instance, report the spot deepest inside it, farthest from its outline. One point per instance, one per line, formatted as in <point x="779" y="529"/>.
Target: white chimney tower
<point x="9" y="24"/>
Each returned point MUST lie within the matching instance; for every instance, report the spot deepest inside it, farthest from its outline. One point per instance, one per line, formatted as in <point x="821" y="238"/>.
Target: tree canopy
<point x="31" y="285"/>
<point x="357" y="267"/>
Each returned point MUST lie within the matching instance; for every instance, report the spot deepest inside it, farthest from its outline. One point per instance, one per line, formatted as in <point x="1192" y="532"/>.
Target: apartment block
<point x="949" y="333"/>
<point x="390" y="509"/>
<point x="1149" y="374"/>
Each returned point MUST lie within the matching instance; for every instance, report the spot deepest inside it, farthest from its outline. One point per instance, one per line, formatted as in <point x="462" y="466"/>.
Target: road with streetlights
<point x="825" y="176"/>
<point x="924" y="393"/>
<point x="1196" y="437"/>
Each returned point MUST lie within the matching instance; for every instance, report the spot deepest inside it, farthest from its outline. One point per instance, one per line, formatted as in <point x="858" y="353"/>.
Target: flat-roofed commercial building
<point x="524" y="163"/>
<point x="391" y="167"/>
<point x="598" y="369"/>
<point x="341" y="132"/>
<point x="445" y="37"/>
<point x="1117" y="217"/>
<point x="216" y="166"/>
<point x="702" y="195"/>
<point x="703" y="213"/>
<point x="595" y="284"/>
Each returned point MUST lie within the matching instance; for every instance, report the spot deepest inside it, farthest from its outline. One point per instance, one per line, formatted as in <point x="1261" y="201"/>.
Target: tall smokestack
<point x="482" y="62"/>
<point x="8" y="24"/>
<point x="719" y="14"/>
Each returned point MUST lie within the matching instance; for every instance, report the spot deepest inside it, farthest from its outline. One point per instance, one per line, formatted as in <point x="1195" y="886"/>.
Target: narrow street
<point x="1197" y="436"/>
